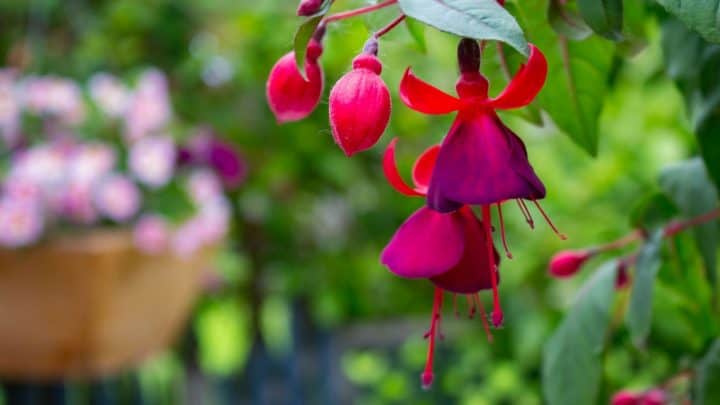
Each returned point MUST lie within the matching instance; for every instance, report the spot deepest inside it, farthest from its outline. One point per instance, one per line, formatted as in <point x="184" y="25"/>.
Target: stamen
<point x="547" y="219"/>
<point x="502" y="232"/>
<point x="471" y="307"/>
<point x="497" y="315"/>
<point x="526" y="212"/>
<point x="483" y="317"/>
<point x="427" y="375"/>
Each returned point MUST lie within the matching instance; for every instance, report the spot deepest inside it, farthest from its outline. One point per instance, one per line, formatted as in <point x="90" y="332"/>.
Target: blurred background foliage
<point x="312" y="222"/>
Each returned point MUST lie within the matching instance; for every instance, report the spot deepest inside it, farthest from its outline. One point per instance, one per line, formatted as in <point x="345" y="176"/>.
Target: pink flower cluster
<point x="57" y="178"/>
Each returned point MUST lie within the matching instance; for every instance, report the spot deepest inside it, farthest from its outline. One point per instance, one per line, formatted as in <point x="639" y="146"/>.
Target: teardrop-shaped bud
<point x="567" y="263"/>
<point x="359" y="106"/>
<point x="290" y="96"/>
<point x="309" y="7"/>
<point x="625" y="398"/>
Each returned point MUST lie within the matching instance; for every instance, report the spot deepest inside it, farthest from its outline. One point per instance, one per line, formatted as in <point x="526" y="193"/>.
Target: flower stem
<point x="676" y="227"/>
<point x="358" y="11"/>
<point x="390" y="26"/>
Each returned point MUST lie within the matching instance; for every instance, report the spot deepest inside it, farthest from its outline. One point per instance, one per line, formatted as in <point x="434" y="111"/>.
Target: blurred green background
<point x="305" y="290"/>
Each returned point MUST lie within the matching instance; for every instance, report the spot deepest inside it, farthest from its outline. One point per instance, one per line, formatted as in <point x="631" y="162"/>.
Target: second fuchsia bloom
<point x="291" y="96"/>
<point x="452" y="250"/>
<point x="360" y="103"/>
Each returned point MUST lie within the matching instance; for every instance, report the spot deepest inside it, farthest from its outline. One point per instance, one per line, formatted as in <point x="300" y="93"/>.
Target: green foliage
<point x="478" y="19"/>
<point x="571" y="362"/>
<point x="639" y="314"/>
<point x="417" y="31"/>
<point x="578" y="74"/>
<point x="707" y="380"/>
<point x="605" y="17"/>
<point x="699" y="15"/>
<point x="302" y="38"/>
<point x="689" y="186"/>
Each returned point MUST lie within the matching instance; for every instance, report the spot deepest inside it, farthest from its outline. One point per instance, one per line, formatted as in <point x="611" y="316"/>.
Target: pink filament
<point x="549" y="222"/>
<point x="483" y="317"/>
<point x="526" y="213"/>
<point x="497" y="315"/>
<point x="502" y="232"/>
<point x="427" y="375"/>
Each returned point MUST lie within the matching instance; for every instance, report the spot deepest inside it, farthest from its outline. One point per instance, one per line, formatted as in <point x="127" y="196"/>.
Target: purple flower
<point x="152" y="160"/>
<point x="117" y="198"/>
<point x="151" y="234"/>
<point x="149" y="107"/>
<point x="110" y="94"/>
<point x="21" y="222"/>
<point x="225" y="159"/>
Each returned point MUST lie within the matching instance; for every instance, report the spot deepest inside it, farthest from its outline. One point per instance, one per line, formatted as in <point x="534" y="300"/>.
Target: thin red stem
<point x="679" y="226"/>
<point x="390" y="26"/>
<point x="497" y="315"/>
<point x="358" y="11"/>
<point x="483" y="317"/>
<point x="502" y="232"/>
<point x="427" y="375"/>
<point x="471" y="307"/>
<point x="625" y="240"/>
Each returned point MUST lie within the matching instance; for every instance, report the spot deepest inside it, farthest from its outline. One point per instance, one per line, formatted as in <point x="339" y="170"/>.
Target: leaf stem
<point x="358" y="11"/>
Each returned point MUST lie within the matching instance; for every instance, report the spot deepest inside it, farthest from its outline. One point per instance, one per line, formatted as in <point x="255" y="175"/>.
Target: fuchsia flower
<point x="452" y="249"/>
<point x="568" y="262"/>
<point x="308" y="7"/>
<point x="290" y="96"/>
<point x="360" y="103"/>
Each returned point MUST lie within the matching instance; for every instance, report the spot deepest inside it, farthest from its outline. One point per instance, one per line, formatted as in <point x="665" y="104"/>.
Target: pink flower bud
<point x="290" y="96"/>
<point x="622" y="278"/>
<point x="359" y="106"/>
<point x="625" y="398"/>
<point x="309" y="7"/>
<point x="567" y="263"/>
<point x="653" y="397"/>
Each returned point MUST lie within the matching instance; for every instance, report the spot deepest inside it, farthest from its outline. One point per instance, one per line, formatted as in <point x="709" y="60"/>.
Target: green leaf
<point x="639" y="315"/>
<point x="653" y="211"/>
<point x="578" y="73"/>
<point x="605" y="17"/>
<point x="302" y="38"/>
<point x="572" y="365"/>
<point x="566" y="21"/>
<point x="702" y="16"/>
<point x="706" y="387"/>
<point x="478" y="19"/>
<point x="688" y="185"/>
<point x="417" y="32"/>
<point x="634" y="28"/>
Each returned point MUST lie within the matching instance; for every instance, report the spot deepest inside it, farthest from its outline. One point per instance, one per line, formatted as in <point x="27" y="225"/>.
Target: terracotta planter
<point x="90" y="305"/>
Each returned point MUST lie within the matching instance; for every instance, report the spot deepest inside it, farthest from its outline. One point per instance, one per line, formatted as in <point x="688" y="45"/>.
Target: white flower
<point x="152" y="160"/>
<point x="110" y="94"/>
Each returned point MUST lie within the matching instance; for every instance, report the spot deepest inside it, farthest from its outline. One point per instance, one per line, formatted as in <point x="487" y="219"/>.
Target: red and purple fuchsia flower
<point x="480" y="162"/>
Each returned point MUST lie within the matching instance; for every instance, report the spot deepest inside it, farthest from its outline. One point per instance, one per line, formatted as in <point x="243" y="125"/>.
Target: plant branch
<point x="358" y="11"/>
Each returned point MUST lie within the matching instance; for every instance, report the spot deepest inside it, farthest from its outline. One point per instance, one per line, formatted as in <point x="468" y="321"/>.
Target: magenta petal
<point x="481" y="162"/>
<point x="427" y="244"/>
<point x="472" y="273"/>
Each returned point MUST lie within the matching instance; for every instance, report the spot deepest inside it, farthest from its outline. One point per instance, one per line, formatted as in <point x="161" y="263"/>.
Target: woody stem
<point x="358" y="11"/>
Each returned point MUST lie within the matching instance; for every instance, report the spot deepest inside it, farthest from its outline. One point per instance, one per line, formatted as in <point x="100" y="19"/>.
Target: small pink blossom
<point x="91" y="161"/>
<point x="61" y="98"/>
<point x="110" y="94"/>
<point x="151" y="234"/>
<point x="149" y="108"/>
<point x="9" y="108"/>
<point x="74" y="203"/>
<point x="21" y="222"/>
<point x="152" y="160"/>
<point x="187" y="239"/>
<point x="117" y="198"/>
<point x="204" y="186"/>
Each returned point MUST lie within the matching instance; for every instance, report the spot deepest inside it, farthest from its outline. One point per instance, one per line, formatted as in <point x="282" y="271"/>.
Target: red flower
<point x="308" y="7"/>
<point x="360" y="104"/>
<point x="625" y="398"/>
<point x="290" y="96"/>
<point x="452" y="249"/>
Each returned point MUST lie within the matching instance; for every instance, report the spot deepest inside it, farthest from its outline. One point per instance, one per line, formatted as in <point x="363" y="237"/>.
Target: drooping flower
<point x="359" y="103"/>
<point x="117" y="198"/>
<point x="625" y="397"/>
<point x="566" y="263"/>
<point x="151" y="234"/>
<point x="309" y="7"/>
<point x="152" y="160"/>
<point x="481" y="161"/>
<point x="292" y="97"/>
<point x="453" y="250"/>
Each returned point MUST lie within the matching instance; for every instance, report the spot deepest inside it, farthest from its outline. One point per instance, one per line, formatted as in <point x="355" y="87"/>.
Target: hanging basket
<point x="90" y="305"/>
